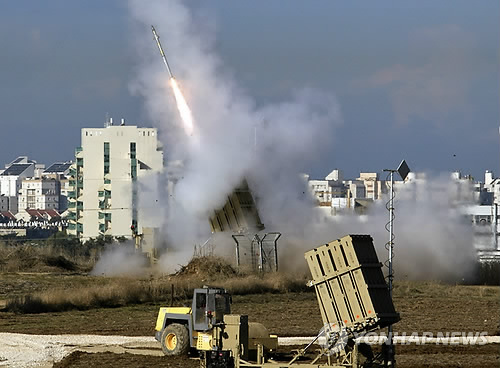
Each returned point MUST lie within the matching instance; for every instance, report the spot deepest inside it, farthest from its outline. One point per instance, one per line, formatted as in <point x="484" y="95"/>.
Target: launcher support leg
<point x="389" y="354"/>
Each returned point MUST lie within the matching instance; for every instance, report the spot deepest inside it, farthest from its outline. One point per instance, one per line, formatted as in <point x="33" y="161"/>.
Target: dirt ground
<point x="88" y="360"/>
<point x="424" y="307"/>
<point x="407" y="357"/>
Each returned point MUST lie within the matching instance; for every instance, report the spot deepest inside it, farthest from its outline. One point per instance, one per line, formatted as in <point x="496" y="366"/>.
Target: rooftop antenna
<point x="403" y="170"/>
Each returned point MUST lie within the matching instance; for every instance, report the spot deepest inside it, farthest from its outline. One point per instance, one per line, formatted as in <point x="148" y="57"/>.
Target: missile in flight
<point x="157" y="39"/>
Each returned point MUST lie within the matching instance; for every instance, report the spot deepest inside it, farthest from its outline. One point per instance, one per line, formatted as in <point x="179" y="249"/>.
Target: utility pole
<point x="403" y="171"/>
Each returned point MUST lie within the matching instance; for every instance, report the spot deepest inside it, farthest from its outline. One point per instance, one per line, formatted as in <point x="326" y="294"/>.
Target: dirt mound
<point x="60" y="262"/>
<point x="209" y="266"/>
<point x="27" y="259"/>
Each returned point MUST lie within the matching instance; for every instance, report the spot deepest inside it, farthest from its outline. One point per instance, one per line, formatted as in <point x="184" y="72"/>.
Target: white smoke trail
<point x="182" y="106"/>
<point x="431" y="241"/>
<point x="291" y="134"/>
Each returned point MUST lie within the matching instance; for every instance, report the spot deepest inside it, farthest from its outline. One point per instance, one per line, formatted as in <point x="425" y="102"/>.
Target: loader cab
<point x="209" y="307"/>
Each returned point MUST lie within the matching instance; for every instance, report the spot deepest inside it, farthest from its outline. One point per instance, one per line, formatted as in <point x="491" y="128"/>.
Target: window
<point x="106" y="158"/>
<point x="201" y="305"/>
<point x="132" y="150"/>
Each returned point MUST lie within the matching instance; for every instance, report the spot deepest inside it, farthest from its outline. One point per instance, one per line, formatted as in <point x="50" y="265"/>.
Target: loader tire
<point x="175" y="339"/>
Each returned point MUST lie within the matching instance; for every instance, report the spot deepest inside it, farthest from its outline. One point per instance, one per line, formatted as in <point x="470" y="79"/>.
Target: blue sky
<point x="416" y="80"/>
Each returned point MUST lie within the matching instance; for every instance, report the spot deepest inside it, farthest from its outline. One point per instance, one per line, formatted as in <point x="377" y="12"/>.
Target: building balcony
<point x="72" y="171"/>
<point x="71" y="216"/>
<point x="105" y="216"/>
<point x="103" y="227"/>
<point x="104" y="188"/>
<point x="104" y="204"/>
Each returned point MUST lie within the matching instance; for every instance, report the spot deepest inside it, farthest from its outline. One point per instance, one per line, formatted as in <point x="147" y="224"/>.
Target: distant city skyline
<point x="418" y="80"/>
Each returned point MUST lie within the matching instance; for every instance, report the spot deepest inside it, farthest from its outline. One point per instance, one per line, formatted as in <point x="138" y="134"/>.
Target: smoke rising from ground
<point x="120" y="260"/>
<point x="269" y="145"/>
<point x="433" y="241"/>
<point x="223" y="150"/>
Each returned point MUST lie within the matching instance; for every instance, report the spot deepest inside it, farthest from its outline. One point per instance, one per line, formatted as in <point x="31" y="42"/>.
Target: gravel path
<point x="22" y="350"/>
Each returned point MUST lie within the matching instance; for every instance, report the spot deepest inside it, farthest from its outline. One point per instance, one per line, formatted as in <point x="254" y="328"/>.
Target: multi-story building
<point x="321" y="191"/>
<point x="491" y="188"/>
<point x="356" y="189"/>
<point x="105" y="197"/>
<point x="11" y="180"/>
<point x="39" y="194"/>
<point x="371" y="183"/>
<point x="60" y="172"/>
<point x="342" y="194"/>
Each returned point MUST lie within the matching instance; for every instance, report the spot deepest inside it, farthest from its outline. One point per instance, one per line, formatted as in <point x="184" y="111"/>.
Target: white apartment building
<point x="11" y="180"/>
<point x="39" y="193"/>
<point x="105" y="197"/>
<point x="321" y="191"/>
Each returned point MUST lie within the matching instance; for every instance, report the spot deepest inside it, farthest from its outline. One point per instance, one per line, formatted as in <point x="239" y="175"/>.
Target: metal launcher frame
<point x="353" y="298"/>
<point x="350" y="285"/>
<point x="351" y="290"/>
<point x="239" y="214"/>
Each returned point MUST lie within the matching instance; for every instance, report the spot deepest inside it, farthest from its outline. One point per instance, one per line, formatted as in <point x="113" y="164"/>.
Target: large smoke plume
<point x="222" y="151"/>
<point x="291" y="135"/>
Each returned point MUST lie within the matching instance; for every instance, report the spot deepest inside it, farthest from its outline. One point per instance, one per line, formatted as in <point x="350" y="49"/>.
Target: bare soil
<point x="88" y="360"/>
<point x="407" y="357"/>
